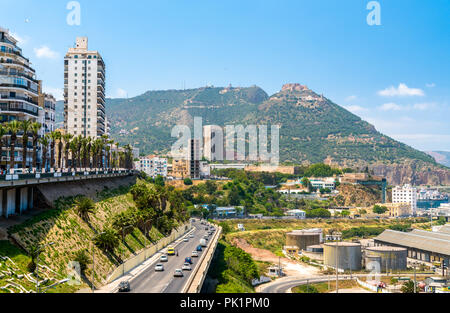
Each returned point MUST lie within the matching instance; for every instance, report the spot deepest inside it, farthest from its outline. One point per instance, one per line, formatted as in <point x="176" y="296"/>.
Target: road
<point x="150" y="281"/>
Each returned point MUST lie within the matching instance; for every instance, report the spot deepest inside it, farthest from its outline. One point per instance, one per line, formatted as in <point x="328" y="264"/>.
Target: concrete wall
<point x="53" y="191"/>
<point x="148" y="253"/>
<point x="195" y="282"/>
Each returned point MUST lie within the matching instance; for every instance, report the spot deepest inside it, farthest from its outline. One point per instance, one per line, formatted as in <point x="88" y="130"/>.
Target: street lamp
<point x="145" y="237"/>
<point x="93" y="261"/>
<point x="37" y="263"/>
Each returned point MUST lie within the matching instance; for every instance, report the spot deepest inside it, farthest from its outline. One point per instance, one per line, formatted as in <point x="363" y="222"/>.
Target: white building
<point x="152" y="167"/>
<point x="405" y="194"/>
<point x="84" y="91"/>
<point x="323" y="183"/>
<point x="205" y="169"/>
<point x="300" y="214"/>
<point x="49" y="111"/>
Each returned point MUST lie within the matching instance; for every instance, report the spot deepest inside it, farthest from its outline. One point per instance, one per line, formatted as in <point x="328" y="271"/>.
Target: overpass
<point x="18" y="191"/>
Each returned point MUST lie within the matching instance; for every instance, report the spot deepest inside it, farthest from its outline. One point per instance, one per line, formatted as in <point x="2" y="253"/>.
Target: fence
<point x="148" y="253"/>
<point x="371" y="287"/>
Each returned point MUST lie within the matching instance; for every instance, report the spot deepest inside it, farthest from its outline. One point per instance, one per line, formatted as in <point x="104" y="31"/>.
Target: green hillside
<point x="313" y="128"/>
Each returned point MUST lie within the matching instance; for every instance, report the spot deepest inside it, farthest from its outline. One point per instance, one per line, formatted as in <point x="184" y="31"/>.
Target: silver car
<point x="163" y="258"/>
<point x="178" y="273"/>
<point x="186" y="267"/>
<point x="159" y="268"/>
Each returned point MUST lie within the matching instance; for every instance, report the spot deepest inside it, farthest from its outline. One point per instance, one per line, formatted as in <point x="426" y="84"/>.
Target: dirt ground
<point x="290" y="267"/>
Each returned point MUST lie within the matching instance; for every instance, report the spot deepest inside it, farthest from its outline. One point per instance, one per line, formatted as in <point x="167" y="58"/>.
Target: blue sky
<point x="396" y="75"/>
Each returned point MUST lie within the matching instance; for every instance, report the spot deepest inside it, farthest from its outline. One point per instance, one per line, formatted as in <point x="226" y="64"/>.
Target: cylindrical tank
<point x="349" y="255"/>
<point x="389" y="258"/>
<point x="302" y="239"/>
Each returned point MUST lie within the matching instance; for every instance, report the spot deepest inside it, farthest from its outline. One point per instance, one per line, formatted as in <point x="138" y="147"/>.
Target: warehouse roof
<point x="431" y="234"/>
<point x="415" y="240"/>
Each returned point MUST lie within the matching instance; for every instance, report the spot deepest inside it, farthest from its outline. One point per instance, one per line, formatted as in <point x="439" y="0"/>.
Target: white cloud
<point x="401" y="91"/>
<point x="351" y="98"/>
<point x="432" y="85"/>
<point x="391" y="107"/>
<point x="121" y="93"/>
<point x="355" y="108"/>
<point x="45" y="52"/>
<point x="418" y="106"/>
<point x="56" y="92"/>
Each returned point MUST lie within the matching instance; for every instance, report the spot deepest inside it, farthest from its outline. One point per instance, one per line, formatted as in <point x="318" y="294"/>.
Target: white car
<point x="194" y="254"/>
<point x="163" y="258"/>
<point x="186" y="239"/>
<point x="159" y="268"/>
<point x="178" y="273"/>
<point x="186" y="267"/>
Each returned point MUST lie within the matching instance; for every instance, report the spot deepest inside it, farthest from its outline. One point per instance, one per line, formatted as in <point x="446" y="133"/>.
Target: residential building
<point x="19" y="94"/>
<point x="84" y="91"/>
<point x="229" y="212"/>
<point x="213" y="143"/>
<point x="152" y="167"/>
<point x="194" y="158"/>
<point x="180" y="168"/>
<point x="405" y="194"/>
<point x="49" y="105"/>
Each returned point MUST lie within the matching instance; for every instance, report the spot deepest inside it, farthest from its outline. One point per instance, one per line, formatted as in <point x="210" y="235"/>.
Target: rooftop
<point x="416" y="240"/>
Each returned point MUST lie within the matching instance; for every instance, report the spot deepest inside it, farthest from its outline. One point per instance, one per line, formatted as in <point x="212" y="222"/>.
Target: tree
<point x="13" y="127"/>
<point x="377" y="209"/>
<point x="25" y="127"/>
<point x="159" y="181"/>
<point x="408" y="287"/>
<point x="84" y="207"/>
<point x="108" y="240"/>
<point x="82" y="257"/>
<point x="211" y="187"/>
<point x="35" y="128"/>
<point x="33" y="252"/>
<point x="44" y="141"/>
<point x="66" y="139"/>
<point x="188" y="182"/>
<point x="3" y="132"/>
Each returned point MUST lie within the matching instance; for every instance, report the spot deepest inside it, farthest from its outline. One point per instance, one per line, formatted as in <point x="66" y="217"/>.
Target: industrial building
<point x="348" y="255"/>
<point x="422" y="245"/>
<point x="388" y="258"/>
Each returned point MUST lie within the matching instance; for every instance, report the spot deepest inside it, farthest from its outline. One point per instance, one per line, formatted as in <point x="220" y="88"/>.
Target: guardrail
<point x="197" y="278"/>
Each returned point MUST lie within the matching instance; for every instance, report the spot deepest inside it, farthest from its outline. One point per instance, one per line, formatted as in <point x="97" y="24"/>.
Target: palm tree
<point x="35" y="128"/>
<point x="108" y="240"/>
<point x="85" y="206"/>
<point x="60" y="148"/>
<point x="53" y="136"/>
<point x="44" y="141"/>
<point x="25" y="127"/>
<point x="84" y="151"/>
<point x="3" y="132"/>
<point x="74" y="145"/>
<point x="66" y="138"/>
<point x="13" y="127"/>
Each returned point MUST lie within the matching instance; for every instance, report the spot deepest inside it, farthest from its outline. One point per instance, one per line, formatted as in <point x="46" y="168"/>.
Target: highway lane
<point x="150" y="281"/>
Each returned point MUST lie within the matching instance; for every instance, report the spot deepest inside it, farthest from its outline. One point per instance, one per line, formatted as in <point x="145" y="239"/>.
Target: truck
<point x="203" y="243"/>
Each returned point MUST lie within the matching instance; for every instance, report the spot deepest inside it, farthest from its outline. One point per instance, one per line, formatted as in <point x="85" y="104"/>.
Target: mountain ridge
<point x="314" y="128"/>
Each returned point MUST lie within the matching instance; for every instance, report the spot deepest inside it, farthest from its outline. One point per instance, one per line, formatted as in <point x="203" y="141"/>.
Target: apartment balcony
<point x="17" y="63"/>
<point x="18" y="107"/>
<point x="29" y="100"/>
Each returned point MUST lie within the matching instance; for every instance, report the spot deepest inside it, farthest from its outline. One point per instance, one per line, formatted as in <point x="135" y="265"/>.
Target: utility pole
<point x="337" y="234"/>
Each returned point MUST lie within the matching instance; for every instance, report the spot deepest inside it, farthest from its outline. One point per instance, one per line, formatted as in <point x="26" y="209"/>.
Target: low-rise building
<point x="397" y="209"/>
<point x="300" y="214"/>
<point x="229" y="212"/>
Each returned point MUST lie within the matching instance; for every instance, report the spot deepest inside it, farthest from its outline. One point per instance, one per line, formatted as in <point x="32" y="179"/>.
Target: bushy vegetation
<point x="234" y="269"/>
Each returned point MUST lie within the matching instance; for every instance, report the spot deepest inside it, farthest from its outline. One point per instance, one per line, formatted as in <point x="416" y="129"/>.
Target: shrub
<point x="188" y="182"/>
